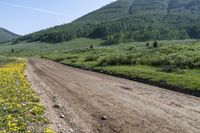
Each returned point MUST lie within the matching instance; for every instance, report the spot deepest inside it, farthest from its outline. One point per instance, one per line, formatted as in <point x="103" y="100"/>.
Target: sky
<point x="27" y="16"/>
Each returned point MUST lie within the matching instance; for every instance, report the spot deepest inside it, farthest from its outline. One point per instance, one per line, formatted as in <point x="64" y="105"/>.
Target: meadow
<point x="25" y="49"/>
<point x="173" y="64"/>
<point x="20" y="108"/>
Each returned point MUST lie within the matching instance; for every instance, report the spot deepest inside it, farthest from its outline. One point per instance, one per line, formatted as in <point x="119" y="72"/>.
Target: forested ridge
<point x="130" y="20"/>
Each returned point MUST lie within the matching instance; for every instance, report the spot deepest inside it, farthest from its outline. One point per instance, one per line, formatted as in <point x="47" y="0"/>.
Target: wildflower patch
<point x="20" y="110"/>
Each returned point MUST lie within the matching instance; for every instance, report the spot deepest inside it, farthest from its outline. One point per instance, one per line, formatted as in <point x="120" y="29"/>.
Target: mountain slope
<point x="131" y="8"/>
<point x="128" y="20"/>
<point x="6" y="35"/>
<point x="113" y="11"/>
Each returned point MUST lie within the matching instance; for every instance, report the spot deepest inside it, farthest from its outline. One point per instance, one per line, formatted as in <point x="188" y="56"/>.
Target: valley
<point x="172" y="65"/>
<point x="130" y="66"/>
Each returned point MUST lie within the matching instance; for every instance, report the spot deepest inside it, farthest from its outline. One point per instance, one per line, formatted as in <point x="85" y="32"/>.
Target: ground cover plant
<point x="20" y="110"/>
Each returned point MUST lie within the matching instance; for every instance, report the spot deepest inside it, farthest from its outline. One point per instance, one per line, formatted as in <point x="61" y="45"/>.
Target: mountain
<point x="136" y="8"/>
<point x="113" y="11"/>
<point x="131" y="20"/>
<point x="6" y="35"/>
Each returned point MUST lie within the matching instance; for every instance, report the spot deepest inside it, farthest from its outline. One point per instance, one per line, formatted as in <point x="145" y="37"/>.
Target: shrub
<point x="71" y="57"/>
<point x="117" y="38"/>
<point x="90" y="58"/>
<point x="91" y="46"/>
<point x="182" y="61"/>
<point x="155" y="44"/>
<point x="116" y="60"/>
<point x="170" y="69"/>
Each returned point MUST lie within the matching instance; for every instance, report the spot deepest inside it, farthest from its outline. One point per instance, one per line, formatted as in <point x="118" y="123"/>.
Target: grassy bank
<point x="171" y="65"/>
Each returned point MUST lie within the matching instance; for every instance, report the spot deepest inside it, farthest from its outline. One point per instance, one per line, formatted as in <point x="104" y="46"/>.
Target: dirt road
<point x="81" y="101"/>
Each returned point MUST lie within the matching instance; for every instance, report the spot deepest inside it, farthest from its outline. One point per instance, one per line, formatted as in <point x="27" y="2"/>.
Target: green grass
<point x="189" y="80"/>
<point x="5" y="60"/>
<point x="25" y="49"/>
<point x="174" y="63"/>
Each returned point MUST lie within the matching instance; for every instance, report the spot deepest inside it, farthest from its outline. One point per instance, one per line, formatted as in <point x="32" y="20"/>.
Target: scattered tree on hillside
<point x="91" y="47"/>
<point x="15" y="42"/>
<point x="155" y="44"/>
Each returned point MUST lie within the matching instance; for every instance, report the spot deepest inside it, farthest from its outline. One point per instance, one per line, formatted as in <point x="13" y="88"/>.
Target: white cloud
<point x="36" y="9"/>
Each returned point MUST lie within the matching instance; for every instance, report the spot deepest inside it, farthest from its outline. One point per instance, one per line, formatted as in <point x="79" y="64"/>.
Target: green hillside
<point x="131" y="20"/>
<point x="6" y="35"/>
<point x="112" y="11"/>
<point x="133" y="8"/>
<point x="24" y="49"/>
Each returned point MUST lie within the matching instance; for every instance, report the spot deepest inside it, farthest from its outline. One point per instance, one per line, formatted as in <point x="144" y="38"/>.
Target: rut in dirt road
<point x="91" y="102"/>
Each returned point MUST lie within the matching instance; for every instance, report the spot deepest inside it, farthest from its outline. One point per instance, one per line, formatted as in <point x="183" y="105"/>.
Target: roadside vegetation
<point x="109" y="41"/>
<point x="4" y="60"/>
<point x="168" y="64"/>
<point x="20" y="110"/>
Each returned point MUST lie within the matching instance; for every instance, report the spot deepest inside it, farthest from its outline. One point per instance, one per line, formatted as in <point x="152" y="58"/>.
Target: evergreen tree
<point x="155" y="44"/>
<point x="91" y="47"/>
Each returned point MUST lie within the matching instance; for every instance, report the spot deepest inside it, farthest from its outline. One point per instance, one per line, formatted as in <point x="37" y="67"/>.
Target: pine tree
<point x="155" y="44"/>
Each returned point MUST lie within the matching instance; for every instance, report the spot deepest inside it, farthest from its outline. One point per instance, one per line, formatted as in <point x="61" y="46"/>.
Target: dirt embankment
<point x="82" y="101"/>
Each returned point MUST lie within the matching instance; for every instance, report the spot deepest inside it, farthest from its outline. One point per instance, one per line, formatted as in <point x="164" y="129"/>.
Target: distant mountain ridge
<point x="6" y="35"/>
<point x="138" y="20"/>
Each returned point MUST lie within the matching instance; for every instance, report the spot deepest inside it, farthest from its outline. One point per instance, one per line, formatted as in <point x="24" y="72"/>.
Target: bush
<point x="91" y="58"/>
<point x="182" y="61"/>
<point x="71" y="57"/>
<point x="91" y="46"/>
<point x="170" y="69"/>
<point x="114" y="39"/>
<point x="155" y="44"/>
<point x="116" y="60"/>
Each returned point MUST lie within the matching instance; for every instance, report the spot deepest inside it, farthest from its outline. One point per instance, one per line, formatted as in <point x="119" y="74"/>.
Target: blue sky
<point x="26" y="16"/>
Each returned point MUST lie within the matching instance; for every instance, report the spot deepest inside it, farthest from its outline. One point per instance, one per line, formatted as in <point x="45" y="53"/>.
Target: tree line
<point x="122" y="30"/>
